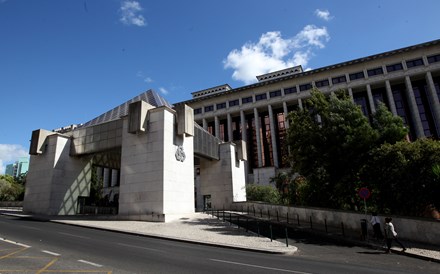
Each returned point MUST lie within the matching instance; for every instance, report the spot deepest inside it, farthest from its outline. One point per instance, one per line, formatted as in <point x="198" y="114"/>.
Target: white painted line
<point x="259" y="266"/>
<point x="142" y="247"/>
<point x="90" y="263"/>
<point x="73" y="235"/>
<point x="51" y="253"/>
<point x="14" y="243"/>
<point x="29" y="227"/>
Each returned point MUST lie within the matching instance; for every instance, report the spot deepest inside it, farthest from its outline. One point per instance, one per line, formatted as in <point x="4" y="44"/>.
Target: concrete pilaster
<point x="257" y="137"/>
<point x="243" y="126"/>
<point x="433" y="98"/>
<point x="273" y="137"/>
<point x="217" y="127"/>
<point x="390" y="98"/>
<point x="370" y="99"/>
<point x="286" y="112"/>
<point x="230" y="136"/>
<point x="414" y="111"/>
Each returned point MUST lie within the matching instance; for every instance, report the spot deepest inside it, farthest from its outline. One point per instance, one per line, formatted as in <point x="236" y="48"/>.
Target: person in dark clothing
<point x="375" y="222"/>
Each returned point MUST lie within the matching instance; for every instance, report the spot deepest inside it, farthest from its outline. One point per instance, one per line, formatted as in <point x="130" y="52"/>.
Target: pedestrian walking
<point x="375" y="222"/>
<point x="391" y="234"/>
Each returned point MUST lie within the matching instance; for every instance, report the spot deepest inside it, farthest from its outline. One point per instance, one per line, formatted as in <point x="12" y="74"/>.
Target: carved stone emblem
<point x="180" y="154"/>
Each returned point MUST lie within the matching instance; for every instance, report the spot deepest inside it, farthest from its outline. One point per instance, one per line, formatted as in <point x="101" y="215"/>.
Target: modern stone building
<point x="156" y="161"/>
<point x="407" y="80"/>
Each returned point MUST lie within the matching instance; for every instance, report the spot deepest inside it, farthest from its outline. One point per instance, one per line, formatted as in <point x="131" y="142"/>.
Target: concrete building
<point x="18" y="168"/>
<point x="156" y="161"/>
<point x="407" y="80"/>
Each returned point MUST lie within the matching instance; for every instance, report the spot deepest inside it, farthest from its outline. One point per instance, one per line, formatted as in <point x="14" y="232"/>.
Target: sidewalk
<point x="205" y="229"/>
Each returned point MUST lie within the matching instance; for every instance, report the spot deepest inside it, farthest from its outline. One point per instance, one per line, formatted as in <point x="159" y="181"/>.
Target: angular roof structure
<point x="150" y="96"/>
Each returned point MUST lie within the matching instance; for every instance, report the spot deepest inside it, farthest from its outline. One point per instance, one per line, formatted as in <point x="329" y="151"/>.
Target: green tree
<point x="10" y="190"/>
<point x="390" y="128"/>
<point x="263" y="193"/>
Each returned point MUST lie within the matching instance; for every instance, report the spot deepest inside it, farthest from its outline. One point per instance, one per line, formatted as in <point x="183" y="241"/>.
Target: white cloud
<point x="163" y="91"/>
<point x="272" y="52"/>
<point x="10" y="153"/>
<point x="130" y="13"/>
<point x="323" y="14"/>
<point x="145" y="78"/>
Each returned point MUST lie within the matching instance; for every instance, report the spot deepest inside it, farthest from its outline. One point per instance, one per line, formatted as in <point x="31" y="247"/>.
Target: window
<point x="414" y="63"/>
<point x="275" y="93"/>
<point x="357" y="75"/>
<point x="261" y="96"/>
<point x="394" y="67"/>
<point x="289" y="90"/>
<point x="246" y="100"/>
<point x="197" y="110"/>
<point x="233" y="103"/>
<point x="375" y="71"/>
<point x="209" y="108"/>
<point x="221" y="105"/>
<point x="434" y="58"/>
<point x="322" y="83"/>
<point x="339" y="79"/>
<point x="305" y="87"/>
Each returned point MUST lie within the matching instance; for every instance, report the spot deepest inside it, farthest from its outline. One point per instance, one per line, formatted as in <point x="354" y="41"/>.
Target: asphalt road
<point x="56" y="248"/>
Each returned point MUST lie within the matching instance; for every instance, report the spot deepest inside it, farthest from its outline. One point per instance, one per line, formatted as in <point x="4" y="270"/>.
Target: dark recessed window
<point x="305" y="87"/>
<point x="339" y="79"/>
<point x="289" y="90"/>
<point x="375" y="71"/>
<point x="197" y="110"/>
<point x="209" y="108"/>
<point x="322" y="83"/>
<point x="394" y="67"/>
<point x="246" y="100"/>
<point x="357" y="75"/>
<point x="414" y="63"/>
<point x="275" y="93"/>
<point x="259" y="97"/>
<point x="233" y="103"/>
<point x="221" y="105"/>
<point x="434" y="58"/>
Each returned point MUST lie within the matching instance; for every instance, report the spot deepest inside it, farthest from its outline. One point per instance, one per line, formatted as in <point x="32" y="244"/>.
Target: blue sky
<point x="65" y="62"/>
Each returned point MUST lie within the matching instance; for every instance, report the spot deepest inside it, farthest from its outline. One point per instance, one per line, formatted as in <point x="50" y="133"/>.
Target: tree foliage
<point x="329" y="142"/>
<point x="263" y="193"/>
<point x="10" y="190"/>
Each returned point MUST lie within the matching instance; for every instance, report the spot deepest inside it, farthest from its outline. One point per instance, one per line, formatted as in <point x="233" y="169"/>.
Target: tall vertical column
<point x="286" y="112"/>
<point x="370" y="99"/>
<point x="390" y="98"/>
<point x="243" y="126"/>
<point x="205" y="124"/>
<point x="433" y="98"/>
<point x="350" y="93"/>
<point x="273" y="137"/>
<point x="217" y="127"/>
<point x="230" y="135"/>
<point x="257" y="137"/>
<point x="300" y="103"/>
<point x="413" y="108"/>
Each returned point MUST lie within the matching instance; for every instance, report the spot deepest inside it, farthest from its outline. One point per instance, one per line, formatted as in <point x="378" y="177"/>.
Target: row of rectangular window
<point x="322" y="83"/>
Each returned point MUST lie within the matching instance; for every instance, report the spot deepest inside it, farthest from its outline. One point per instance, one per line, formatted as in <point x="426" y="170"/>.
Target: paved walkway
<point x="202" y="228"/>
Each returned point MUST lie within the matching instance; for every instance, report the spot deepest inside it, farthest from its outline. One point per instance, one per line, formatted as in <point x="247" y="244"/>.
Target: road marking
<point x="12" y="253"/>
<point x="29" y="227"/>
<point x="73" y="235"/>
<point x="90" y="263"/>
<point x="141" y="247"/>
<point x="15" y="243"/>
<point x="51" y="253"/>
<point x="259" y="266"/>
<point x="47" y="266"/>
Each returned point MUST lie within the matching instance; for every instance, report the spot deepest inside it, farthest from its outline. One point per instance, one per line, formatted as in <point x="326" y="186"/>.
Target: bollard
<point x="230" y="217"/>
<point x="287" y="236"/>
<point x="278" y="219"/>
<point x="268" y="214"/>
<point x="218" y="215"/>
<point x="247" y="224"/>
<point x="261" y="213"/>
<point x="287" y="215"/>
<point x="258" y="229"/>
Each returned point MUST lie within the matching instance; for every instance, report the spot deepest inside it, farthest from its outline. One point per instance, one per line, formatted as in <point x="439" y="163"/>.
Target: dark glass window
<point x="221" y="105"/>
<point x="305" y="87"/>
<point x="394" y="67"/>
<point x="357" y="75"/>
<point x="322" y="83"/>
<point x="434" y="58"/>
<point x="289" y="90"/>
<point x="275" y="93"/>
<point x="261" y="96"/>
<point x="197" y="110"/>
<point x="209" y="108"/>
<point x="375" y="71"/>
<point x="414" y="63"/>
<point x="246" y="100"/>
<point x="233" y="103"/>
<point x="339" y="79"/>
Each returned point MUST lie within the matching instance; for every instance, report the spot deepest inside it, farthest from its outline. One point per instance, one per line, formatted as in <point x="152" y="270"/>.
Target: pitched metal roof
<point x="150" y="96"/>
